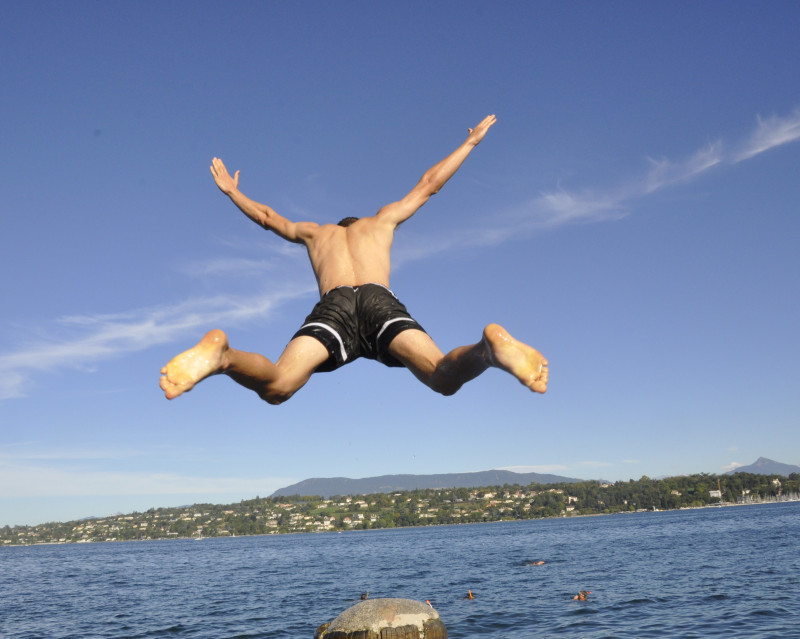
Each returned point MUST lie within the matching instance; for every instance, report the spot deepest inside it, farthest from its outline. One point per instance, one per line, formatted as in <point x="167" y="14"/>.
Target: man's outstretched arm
<point x="435" y="177"/>
<point x="261" y="214"/>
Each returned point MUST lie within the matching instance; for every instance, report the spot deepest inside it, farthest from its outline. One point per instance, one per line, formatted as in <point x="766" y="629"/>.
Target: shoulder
<point x="396" y="213"/>
<point x="382" y="220"/>
<point x="307" y="231"/>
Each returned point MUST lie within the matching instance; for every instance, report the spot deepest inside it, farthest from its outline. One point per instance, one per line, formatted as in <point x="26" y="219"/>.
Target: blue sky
<point x="633" y="214"/>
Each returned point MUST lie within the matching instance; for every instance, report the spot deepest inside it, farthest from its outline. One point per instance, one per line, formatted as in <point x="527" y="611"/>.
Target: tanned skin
<point x="352" y="256"/>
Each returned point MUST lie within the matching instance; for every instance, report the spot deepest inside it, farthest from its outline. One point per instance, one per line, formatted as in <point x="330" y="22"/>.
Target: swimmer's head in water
<point x="347" y="221"/>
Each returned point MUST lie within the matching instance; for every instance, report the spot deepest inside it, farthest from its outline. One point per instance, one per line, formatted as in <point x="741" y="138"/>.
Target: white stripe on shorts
<point x="334" y="333"/>
<point x="387" y="323"/>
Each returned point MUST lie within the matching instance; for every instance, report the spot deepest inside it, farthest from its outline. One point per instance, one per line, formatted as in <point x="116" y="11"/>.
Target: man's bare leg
<point x="273" y="382"/>
<point x="447" y="373"/>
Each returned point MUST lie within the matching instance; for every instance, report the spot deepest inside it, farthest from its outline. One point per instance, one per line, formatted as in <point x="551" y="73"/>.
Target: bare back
<point x="351" y="256"/>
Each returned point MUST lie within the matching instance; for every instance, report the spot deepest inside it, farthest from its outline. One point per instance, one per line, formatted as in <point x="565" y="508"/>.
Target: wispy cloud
<point x="283" y="257"/>
<point x="25" y="452"/>
<point x="32" y="470"/>
<point x="87" y="339"/>
<point x="561" y="207"/>
<point x="771" y="132"/>
<point x="566" y="208"/>
<point x="30" y="481"/>
<point x="239" y="266"/>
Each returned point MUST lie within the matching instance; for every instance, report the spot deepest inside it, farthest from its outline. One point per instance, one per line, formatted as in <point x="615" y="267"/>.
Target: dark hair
<point x="347" y="221"/>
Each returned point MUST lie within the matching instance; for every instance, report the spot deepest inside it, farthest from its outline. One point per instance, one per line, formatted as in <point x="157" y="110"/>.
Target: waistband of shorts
<point x="355" y="288"/>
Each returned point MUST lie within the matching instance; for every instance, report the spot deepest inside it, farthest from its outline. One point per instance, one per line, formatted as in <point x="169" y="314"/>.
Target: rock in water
<point x="385" y="619"/>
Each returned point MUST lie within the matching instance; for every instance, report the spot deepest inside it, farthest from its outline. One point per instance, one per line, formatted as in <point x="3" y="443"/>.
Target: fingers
<point x="218" y="169"/>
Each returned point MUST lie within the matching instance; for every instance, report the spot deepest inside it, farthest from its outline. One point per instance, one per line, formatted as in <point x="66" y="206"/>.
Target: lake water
<point x="724" y="572"/>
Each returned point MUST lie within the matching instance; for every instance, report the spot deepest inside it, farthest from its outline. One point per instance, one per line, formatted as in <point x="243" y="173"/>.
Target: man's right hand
<point x="225" y="182"/>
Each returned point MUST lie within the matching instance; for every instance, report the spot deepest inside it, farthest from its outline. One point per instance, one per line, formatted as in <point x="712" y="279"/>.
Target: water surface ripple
<point x="725" y="572"/>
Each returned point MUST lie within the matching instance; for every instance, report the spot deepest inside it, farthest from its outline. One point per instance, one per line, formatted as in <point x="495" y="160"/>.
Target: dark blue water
<point x="726" y="572"/>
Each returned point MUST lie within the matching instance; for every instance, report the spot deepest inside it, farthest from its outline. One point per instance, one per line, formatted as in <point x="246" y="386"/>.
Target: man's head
<point x="347" y="221"/>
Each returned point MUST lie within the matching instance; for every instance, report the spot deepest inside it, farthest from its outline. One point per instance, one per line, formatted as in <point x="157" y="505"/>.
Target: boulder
<point x="385" y="619"/>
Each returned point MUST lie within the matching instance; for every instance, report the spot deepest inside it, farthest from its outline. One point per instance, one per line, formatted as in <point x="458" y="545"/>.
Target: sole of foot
<point x="183" y="371"/>
<point x="525" y="363"/>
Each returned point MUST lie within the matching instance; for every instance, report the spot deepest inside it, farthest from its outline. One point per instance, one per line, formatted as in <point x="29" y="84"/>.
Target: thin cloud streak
<point x="770" y="133"/>
<point x="30" y="481"/>
<point x="106" y="336"/>
<point x="283" y="258"/>
<point x="561" y="207"/>
<point x="240" y="267"/>
<point x="60" y="455"/>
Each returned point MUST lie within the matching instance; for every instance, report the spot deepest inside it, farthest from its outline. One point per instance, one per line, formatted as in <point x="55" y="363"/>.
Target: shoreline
<point x="362" y="530"/>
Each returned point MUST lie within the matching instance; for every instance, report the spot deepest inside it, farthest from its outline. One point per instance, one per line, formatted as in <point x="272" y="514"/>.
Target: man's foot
<point x="525" y="363"/>
<point x="203" y="360"/>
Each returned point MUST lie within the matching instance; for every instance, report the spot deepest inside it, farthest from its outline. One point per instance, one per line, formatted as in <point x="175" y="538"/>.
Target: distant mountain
<point x="328" y="487"/>
<point x="764" y="466"/>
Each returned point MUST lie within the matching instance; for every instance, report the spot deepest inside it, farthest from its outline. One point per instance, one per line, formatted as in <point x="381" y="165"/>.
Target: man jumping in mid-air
<point x="357" y="315"/>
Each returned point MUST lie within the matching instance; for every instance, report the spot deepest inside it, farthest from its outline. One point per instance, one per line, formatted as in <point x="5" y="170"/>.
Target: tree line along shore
<point x="303" y="514"/>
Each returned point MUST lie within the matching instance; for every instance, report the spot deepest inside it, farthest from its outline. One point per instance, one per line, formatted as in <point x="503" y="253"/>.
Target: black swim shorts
<point x="357" y="321"/>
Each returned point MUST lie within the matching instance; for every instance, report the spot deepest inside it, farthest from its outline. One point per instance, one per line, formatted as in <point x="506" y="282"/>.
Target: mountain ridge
<point x="330" y="486"/>
<point x="340" y="486"/>
<point x="764" y="466"/>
